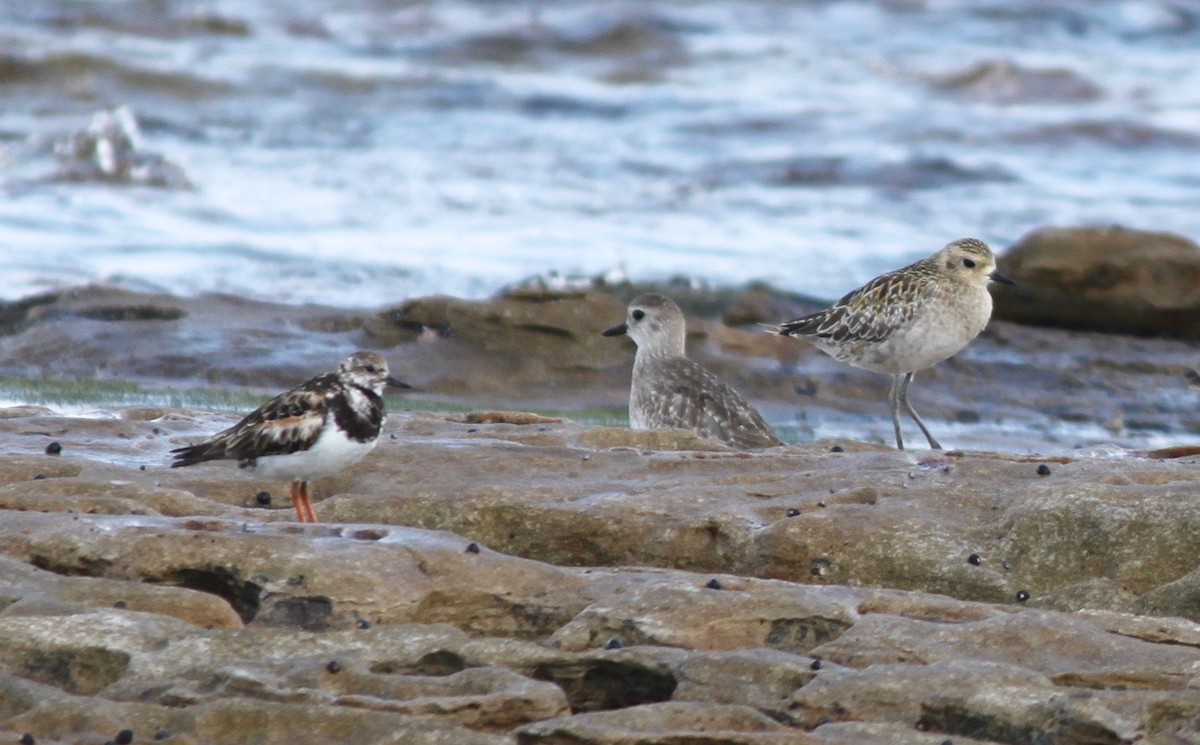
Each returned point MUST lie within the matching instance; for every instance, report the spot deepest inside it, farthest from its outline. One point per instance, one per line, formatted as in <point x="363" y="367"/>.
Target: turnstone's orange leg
<point x="304" y="508"/>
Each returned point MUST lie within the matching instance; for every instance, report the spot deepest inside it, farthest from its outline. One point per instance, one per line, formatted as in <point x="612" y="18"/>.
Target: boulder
<point x="1113" y="279"/>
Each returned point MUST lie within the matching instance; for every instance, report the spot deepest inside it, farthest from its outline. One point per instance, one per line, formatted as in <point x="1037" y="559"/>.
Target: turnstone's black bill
<point x="314" y="430"/>
<point x="669" y="390"/>
<point x="908" y="320"/>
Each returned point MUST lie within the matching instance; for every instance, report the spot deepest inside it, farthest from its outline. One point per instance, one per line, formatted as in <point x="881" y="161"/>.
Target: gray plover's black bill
<point x="1003" y="279"/>
<point x="617" y="330"/>
<point x="393" y="382"/>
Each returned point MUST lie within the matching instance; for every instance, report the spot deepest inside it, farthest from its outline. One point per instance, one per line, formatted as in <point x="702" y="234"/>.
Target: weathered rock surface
<point x="1110" y="279"/>
<point x="502" y="576"/>
<point x="480" y="581"/>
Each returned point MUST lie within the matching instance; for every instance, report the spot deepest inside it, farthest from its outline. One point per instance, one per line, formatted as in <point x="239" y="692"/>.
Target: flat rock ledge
<point x="526" y="581"/>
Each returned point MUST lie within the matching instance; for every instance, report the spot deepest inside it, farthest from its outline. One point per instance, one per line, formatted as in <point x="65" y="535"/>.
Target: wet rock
<point x="114" y="622"/>
<point x="111" y="150"/>
<point x="664" y="724"/>
<point x="558" y="331"/>
<point x="1111" y="279"/>
<point x="1003" y="82"/>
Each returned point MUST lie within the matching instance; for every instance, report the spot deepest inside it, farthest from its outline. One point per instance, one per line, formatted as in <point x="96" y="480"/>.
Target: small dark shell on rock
<point x="472" y="548"/>
<point x="334" y="666"/>
<point x="1043" y="470"/>
<point x="124" y="737"/>
<point x="363" y="623"/>
<point x="27" y="739"/>
<point x="837" y="449"/>
<point x="1022" y="596"/>
<point x="613" y="643"/>
<point x="54" y="448"/>
<point x="713" y="584"/>
<point x="793" y="512"/>
<point x="975" y="559"/>
<point x="162" y="734"/>
<point x="263" y="497"/>
<point x="816" y="664"/>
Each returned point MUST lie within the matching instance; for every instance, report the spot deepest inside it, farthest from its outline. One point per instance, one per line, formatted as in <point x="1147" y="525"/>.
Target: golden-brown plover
<point x="908" y="320"/>
<point x="669" y="390"/>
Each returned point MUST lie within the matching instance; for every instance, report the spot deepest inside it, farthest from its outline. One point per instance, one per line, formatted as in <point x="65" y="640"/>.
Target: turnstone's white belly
<point x="332" y="451"/>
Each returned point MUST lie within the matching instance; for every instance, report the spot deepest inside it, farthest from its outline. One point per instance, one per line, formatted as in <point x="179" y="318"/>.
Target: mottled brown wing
<point x="286" y="424"/>
<point x="872" y="312"/>
<point x="696" y="399"/>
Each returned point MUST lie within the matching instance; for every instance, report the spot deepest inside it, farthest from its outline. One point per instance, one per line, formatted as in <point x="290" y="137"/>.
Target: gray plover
<point x="669" y="390"/>
<point x="908" y="320"/>
<point x="314" y="430"/>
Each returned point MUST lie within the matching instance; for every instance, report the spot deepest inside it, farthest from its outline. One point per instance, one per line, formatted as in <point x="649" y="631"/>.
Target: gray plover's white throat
<point x="669" y="390"/>
<point x="908" y="320"/>
<point x="314" y="430"/>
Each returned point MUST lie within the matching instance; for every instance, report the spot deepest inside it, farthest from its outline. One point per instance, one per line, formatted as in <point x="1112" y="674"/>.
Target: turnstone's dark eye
<point x="968" y="263"/>
<point x="371" y="368"/>
<point x="638" y="315"/>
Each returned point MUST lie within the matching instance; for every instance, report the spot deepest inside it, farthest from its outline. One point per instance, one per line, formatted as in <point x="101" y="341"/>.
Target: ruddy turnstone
<point x="669" y="390"/>
<point x="908" y="320"/>
<point x="314" y="430"/>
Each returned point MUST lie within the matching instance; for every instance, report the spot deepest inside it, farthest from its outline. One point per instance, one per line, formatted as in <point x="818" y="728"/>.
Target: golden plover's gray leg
<point x="903" y="398"/>
<point x="894" y="399"/>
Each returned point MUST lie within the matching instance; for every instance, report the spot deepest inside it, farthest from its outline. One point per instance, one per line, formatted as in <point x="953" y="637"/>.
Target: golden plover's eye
<point x="968" y="263"/>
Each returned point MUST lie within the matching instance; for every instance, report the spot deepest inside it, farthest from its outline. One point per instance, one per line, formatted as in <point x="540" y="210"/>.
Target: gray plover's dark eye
<point x="968" y="263"/>
<point x="638" y="315"/>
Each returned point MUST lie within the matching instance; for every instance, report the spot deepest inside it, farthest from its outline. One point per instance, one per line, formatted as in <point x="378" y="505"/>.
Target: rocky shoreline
<point x="481" y="581"/>
<point x="505" y="576"/>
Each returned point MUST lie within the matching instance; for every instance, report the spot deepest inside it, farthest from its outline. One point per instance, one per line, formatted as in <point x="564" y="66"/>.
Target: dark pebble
<point x="975" y="559"/>
<point x="27" y="739"/>
<point x="472" y="429"/>
<point x="54" y="448"/>
<point x="263" y="498"/>
<point x="124" y="737"/>
<point x="363" y="623"/>
<point x="807" y="388"/>
<point x="472" y="547"/>
<point x="141" y="468"/>
<point x="334" y="666"/>
<point x="39" y="477"/>
<point x="1043" y="470"/>
<point x="1022" y="596"/>
<point x="837" y="449"/>
<point x="162" y="734"/>
<point x="613" y="643"/>
<point x="713" y="584"/>
<point x="816" y="664"/>
<point x="1007" y="565"/>
<point x="793" y="512"/>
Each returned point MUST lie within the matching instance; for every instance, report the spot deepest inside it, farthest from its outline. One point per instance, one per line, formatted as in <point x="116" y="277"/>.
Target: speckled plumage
<point x="670" y="390"/>
<point x="908" y="320"/>
<point x="311" y="431"/>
